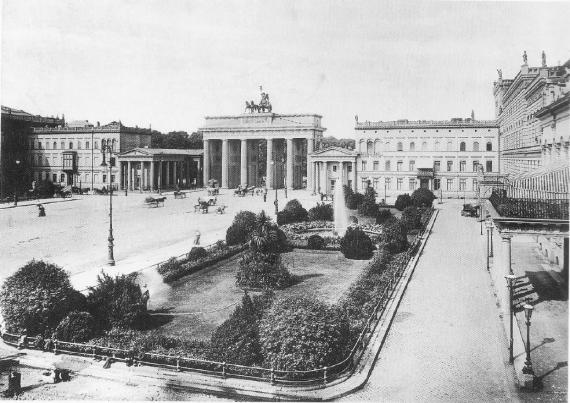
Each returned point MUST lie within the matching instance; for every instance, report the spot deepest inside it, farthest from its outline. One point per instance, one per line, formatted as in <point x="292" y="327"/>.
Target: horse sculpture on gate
<point x="264" y="105"/>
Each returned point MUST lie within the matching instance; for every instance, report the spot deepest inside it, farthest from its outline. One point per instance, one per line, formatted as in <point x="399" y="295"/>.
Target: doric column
<point x="507" y="252"/>
<point x="160" y="176"/>
<point x="269" y="170"/>
<point x="152" y="176"/>
<point x="175" y="173"/>
<point x="167" y="179"/>
<point x="129" y="172"/>
<point x="354" y="185"/>
<point x="290" y="163"/>
<point x="121" y="177"/>
<point x="224" y="163"/>
<point x="310" y="167"/>
<point x="243" y="161"/>
<point x="206" y="162"/>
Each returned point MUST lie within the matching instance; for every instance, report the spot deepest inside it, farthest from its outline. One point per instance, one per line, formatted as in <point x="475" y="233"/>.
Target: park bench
<point x="179" y="195"/>
<point x="155" y="201"/>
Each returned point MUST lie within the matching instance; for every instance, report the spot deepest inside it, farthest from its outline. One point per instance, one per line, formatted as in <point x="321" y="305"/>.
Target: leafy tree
<point x="176" y="139"/>
<point x="242" y="227"/>
<point x="292" y="212"/>
<point x="403" y="201"/>
<point x="322" y="211"/>
<point x="368" y="207"/>
<point x="117" y="302"/>
<point x="395" y="236"/>
<point x="423" y="197"/>
<point x="330" y="141"/>
<point x="383" y="215"/>
<point x="36" y="297"/>
<point x="303" y="333"/>
<point x="354" y="200"/>
<point x="356" y="244"/>
<point x="411" y="217"/>
<point x="77" y="327"/>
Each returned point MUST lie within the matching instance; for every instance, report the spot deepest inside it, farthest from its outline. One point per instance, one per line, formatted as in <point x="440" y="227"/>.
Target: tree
<point x="267" y="237"/>
<point x="36" y="297"/>
<point x="315" y="242"/>
<point x="383" y="215"/>
<point x="117" y="302"/>
<point x="176" y="139"/>
<point x="368" y="207"/>
<point x="300" y="333"/>
<point x="356" y="244"/>
<point x="395" y="236"/>
<point x="423" y="197"/>
<point x="292" y="212"/>
<point x="330" y="141"/>
<point x="403" y="201"/>
<point x="242" y="227"/>
<point x="77" y="327"/>
<point x="321" y="212"/>
<point x="411" y="218"/>
<point x="262" y="271"/>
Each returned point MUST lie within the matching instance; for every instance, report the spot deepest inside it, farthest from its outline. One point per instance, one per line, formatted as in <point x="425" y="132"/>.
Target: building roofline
<point x="412" y="124"/>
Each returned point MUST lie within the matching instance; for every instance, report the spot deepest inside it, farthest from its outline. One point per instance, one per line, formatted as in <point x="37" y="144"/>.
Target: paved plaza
<point x="74" y="233"/>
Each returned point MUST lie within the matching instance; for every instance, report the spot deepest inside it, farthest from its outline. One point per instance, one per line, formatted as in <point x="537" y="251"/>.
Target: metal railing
<point x="286" y="377"/>
<point x="528" y="203"/>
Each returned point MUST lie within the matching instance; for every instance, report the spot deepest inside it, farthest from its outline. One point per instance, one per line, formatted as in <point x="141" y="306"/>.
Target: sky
<point x="169" y="63"/>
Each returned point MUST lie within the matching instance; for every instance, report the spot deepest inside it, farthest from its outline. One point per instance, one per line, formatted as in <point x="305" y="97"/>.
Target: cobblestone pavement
<point x="445" y="343"/>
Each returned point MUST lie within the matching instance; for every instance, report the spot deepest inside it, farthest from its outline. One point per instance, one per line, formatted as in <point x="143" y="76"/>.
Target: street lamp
<point x="527" y="369"/>
<point x="109" y="148"/>
<point x="510" y="278"/>
<point x="489" y="226"/>
<point x="16" y="187"/>
<point x="276" y="202"/>
<point x="284" y="179"/>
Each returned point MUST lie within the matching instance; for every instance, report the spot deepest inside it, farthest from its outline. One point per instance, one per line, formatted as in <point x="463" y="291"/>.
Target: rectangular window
<point x="87" y="145"/>
<point x="112" y="178"/>
<point x="54" y="178"/>
<point x="412" y="184"/>
<point x="364" y="183"/>
<point x="104" y="178"/>
<point x="96" y="145"/>
<point x="79" y="145"/>
<point x="462" y="166"/>
<point x="399" y="183"/>
<point x="62" y="178"/>
<point x="399" y="166"/>
<point x="475" y="166"/>
<point x="349" y="168"/>
<point x="376" y="165"/>
<point x="96" y="178"/>
<point x="375" y="182"/>
<point x="437" y="166"/>
<point x="387" y="165"/>
<point x="489" y="166"/>
<point x="412" y="166"/>
<point x="334" y="168"/>
<point x="474" y="184"/>
<point x="449" y="166"/>
<point x="436" y="184"/>
<point x="63" y="145"/>
<point x="364" y="165"/>
<point x="387" y="182"/>
<point x="462" y="184"/>
<point x="450" y="184"/>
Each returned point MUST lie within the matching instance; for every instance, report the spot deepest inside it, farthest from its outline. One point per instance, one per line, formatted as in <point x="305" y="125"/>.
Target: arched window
<point x="387" y="146"/>
<point x="489" y="146"/>
<point x="449" y="146"/>
<point x="424" y="146"/>
<point x="370" y="148"/>
<point x="476" y="146"/>
<point x="412" y="146"/>
<point x="377" y="147"/>
<point x="436" y="146"/>
<point x="462" y="146"/>
<point x="362" y="146"/>
<point x="400" y="146"/>
<point x="55" y="145"/>
<point x="71" y="145"/>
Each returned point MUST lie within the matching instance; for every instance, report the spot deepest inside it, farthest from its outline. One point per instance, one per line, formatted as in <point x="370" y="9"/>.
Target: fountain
<point x="340" y="218"/>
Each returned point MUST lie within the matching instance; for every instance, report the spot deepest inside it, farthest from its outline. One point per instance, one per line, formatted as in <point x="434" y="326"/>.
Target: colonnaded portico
<point x="257" y="149"/>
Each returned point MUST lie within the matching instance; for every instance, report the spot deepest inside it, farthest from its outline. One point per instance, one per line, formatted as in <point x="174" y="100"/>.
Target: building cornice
<point x="421" y="124"/>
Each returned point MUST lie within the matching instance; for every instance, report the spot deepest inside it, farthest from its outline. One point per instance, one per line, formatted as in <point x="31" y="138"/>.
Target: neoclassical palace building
<point x="259" y="148"/>
<point x="400" y="156"/>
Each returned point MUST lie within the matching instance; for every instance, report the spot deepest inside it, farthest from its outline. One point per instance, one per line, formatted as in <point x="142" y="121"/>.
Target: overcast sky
<point x="169" y="63"/>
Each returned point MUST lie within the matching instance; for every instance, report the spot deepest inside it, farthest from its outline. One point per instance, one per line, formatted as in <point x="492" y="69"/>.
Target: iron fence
<point x="528" y="203"/>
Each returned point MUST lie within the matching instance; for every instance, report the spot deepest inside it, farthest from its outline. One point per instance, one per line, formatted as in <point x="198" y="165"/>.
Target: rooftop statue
<point x="543" y="59"/>
<point x="500" y="71"/>
<point x="525" y="58"/>
<point x="264" y="105"/>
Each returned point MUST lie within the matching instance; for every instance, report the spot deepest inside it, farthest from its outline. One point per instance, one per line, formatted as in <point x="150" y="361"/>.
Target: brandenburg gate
<point x="242" y="149"/>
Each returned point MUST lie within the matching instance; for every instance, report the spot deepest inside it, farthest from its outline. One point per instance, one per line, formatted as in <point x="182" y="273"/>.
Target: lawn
<point x="194" y="306"/>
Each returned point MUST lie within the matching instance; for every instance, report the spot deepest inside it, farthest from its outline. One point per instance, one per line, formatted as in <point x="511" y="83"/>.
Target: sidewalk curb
<point x="37" y="202"/>
<point x="241" y="388"/>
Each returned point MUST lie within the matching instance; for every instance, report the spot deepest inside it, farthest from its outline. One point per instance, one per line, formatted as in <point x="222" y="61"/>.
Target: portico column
<point x="174" y="173"/>
<point x="354" y="176"/>
<point x="167" y="179"/>
<point x="311" y="171"/>
<point x="243" y="161"/>
<point x="507" y="253"/>
<point x="206" y="162"/>
<point x="160" y="176"/>
<point x="152" y="176"/>
<point x="269" y="170"/>
<point x="225" y="163"/>
<point x="289" y="163"/>
<point x="129" y="183"/>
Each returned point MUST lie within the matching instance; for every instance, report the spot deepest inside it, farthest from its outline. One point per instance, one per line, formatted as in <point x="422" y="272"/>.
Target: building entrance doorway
<point x="424" y="183"/>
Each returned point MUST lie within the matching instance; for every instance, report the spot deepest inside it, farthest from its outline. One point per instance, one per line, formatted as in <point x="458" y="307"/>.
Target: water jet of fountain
<point x="340" y="218"/>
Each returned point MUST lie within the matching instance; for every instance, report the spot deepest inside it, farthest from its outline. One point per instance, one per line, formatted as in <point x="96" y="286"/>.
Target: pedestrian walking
<point x="197" y="238"/>
<point x="41" y="210"/>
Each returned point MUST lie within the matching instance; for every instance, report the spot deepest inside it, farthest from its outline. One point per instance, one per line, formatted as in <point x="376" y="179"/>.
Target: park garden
<point x="291" y="295"/>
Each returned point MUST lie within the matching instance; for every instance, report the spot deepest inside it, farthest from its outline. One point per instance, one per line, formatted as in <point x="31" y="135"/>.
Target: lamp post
<point x="104" y="149"/>
<point x="276" y="202"/>
<point x="488" y="225"/>
<point x="510" y="278"/>
<point x="527" y="369"/>
<point x="491" y="246"/>
<point x="284" y="179"/>
<point x="16" y="187"/>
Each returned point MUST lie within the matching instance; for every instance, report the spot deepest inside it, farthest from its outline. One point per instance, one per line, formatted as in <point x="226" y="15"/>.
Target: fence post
<point x="224" y="369"/>
<point x="325" y="375"/>
<point x="55" y="347"/>
<point x="178" y="363"/>
<point x="273" y="375"/>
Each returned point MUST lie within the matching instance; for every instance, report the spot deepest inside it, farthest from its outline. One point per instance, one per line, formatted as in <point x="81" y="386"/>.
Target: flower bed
<point x="174" y="269"/>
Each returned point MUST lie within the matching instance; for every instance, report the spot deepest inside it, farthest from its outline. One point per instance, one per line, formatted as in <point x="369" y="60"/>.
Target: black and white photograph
<point x="285" y="200"/>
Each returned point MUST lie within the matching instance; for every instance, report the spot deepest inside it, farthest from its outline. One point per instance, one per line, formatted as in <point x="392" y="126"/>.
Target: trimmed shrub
<point x="315" y="242"/>
<point x="403" y="201"/>
<point x="368" y="207"/>
<point x="321" y="212"/>
<point x="262" y="271"/>
<point x="348" y="192"/>
<point x="353" y="200"/>
<point x="77" y="327"/>
<point x="383" y="216"/>
<point x="423" y="197"/>
<point x="411" y="218"/>
<point x="37" y="297"/>
<point x="292" y="212"/>
<point x="241" y="228"/>
<point x="395" y="236"/>
<point x="117" y="302"/>
<point x="196" y="253"/>
<point x="302" y="334"/>
<point x="237" y="339"/>
<point x="356" y="244"/>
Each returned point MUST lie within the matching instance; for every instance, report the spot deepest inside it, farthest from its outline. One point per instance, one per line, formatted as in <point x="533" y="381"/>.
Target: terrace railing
<point x="527" y="203"/>
<point x="317" y="376"/>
